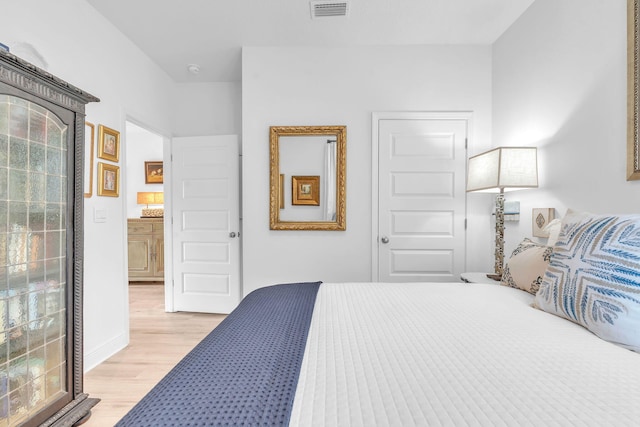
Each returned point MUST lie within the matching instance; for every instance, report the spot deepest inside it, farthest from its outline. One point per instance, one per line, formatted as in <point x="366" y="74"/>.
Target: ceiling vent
<point x="325" y="9"/>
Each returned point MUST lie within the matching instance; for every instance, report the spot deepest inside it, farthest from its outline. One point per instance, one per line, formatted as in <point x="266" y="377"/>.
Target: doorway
<point x="419" y="200"/>
<point x="144" y="205"/>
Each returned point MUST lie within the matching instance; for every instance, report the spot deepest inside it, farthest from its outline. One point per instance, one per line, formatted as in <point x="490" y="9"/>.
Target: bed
<point x="403" y="354"/>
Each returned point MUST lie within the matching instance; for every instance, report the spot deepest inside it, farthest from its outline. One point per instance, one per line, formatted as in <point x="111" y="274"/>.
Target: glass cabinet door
<point x="33" y="258"/>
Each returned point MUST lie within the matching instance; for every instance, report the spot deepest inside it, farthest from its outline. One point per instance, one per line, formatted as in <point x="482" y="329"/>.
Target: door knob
<point x="232" y="234"/>
<point x="384" y="240"/>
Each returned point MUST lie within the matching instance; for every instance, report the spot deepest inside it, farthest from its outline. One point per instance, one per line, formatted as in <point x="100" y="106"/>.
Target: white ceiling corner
<point x="175" y="33"/>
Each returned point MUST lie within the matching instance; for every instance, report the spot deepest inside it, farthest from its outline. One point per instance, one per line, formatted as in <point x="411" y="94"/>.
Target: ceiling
<point x="210" y="33"/>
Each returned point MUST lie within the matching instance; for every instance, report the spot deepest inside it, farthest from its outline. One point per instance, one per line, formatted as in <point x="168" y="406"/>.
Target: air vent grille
<point x="323" y="9"/>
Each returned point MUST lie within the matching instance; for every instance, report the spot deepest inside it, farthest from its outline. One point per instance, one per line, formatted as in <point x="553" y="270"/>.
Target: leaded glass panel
<point x="33" y="233"/>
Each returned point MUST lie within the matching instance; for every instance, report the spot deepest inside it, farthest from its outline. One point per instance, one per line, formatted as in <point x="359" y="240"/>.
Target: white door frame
<point x="167" y="166"/>
<point x="166" y="146"/>
<point x="375" y="144"/>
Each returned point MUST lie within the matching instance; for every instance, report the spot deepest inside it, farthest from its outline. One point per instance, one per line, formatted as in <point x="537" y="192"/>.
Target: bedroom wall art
<point x="540" y="218"/>
<point x="315" y="158"/>
<point x="633" y="78"/>
<point x="153" y="172"/>
<point x="108" y="143"/>
<point x="305" y="190"/>
<point x="108" y="180"/>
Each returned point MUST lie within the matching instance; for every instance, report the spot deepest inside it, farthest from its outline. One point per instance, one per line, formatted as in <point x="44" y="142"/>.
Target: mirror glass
<point x="308" y="177"/>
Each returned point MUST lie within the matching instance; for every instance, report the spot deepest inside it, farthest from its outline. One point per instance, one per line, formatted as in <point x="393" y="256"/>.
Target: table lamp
<point x="496" y="171"/>
<point x="151" y="198"/>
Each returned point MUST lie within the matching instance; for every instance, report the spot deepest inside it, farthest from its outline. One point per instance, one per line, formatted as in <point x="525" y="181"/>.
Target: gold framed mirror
<point x="308" y="178"/>
<point x="633" y="81"/>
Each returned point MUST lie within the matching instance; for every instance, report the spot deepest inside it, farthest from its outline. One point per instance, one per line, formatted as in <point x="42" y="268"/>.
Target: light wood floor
<point x="158" y="340"/>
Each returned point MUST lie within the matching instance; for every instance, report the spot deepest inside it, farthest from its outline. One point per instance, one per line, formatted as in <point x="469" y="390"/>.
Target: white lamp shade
<point x="503" y="169"/>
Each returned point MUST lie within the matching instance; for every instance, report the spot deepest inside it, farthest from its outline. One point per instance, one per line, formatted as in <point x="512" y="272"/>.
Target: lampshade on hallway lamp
<point x="151" y="198"/>
<point x="499" y="170"/>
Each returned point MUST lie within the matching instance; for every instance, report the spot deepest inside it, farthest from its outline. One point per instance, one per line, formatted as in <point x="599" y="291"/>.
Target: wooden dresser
<point x="146" y="249"/>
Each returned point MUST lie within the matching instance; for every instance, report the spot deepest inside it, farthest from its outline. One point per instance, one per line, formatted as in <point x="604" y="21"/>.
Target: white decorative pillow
<point x="554" y="231"/>
<point x="593" y="277"/>
<point x="526" y="267"/>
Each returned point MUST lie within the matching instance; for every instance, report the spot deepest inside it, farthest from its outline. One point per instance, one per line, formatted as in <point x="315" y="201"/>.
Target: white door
<point x="421" y="198"/>
<point x="205" y="223"/>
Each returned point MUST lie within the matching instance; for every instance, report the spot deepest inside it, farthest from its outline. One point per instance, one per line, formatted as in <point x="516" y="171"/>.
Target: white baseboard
<point x="95" y="357"/>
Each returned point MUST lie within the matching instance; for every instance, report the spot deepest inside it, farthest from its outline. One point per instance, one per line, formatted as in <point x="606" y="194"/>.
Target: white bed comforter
<point x="457" y="354"/>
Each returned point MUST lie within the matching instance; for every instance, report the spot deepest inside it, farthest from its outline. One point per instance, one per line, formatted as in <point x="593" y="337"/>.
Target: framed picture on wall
<point x="633" y="85"/>
<point x="540" y="218"/>
<point x="108" y="180"/>
<point x="108" y="143"/>
<point x="305" y="190"/>
<point x="153" y="172"/>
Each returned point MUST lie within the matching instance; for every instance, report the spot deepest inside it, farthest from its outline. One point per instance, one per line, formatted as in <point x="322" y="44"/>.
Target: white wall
<point x="344" y="86"/>
<point x="81" y="47"/>
<point x="142" y="146"/>
<point x="559" y="83"/>
<point x="207" y="109"/>
<point x="555" y="79"/>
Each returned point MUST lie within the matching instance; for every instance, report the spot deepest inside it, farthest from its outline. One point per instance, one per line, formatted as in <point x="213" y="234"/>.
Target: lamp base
<point x="498" y="266"/>
<point x="496" y="277"/>
<point x="152" y="213"/>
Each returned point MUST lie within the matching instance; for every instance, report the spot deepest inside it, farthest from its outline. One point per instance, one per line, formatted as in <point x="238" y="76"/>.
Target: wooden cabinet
<point x="146" y="249"/>
<point x="41" y="247"/>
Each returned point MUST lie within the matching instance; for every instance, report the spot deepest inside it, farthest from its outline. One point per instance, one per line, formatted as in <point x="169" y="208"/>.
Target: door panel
<point x="159" y="257"/>
<point x="140" y="249"/>
<point x="421" y="199"/>
<point x="205" y="190"/>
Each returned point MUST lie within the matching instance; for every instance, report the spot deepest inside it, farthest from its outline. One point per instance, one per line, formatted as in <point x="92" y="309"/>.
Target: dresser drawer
<point x="139" y="227"/>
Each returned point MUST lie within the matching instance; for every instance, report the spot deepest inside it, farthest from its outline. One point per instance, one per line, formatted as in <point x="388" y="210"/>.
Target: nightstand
<point x="475" y="277"/>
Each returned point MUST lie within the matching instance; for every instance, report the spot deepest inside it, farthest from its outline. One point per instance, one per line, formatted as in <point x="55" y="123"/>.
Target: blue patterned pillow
<point x="593" y="277"/>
